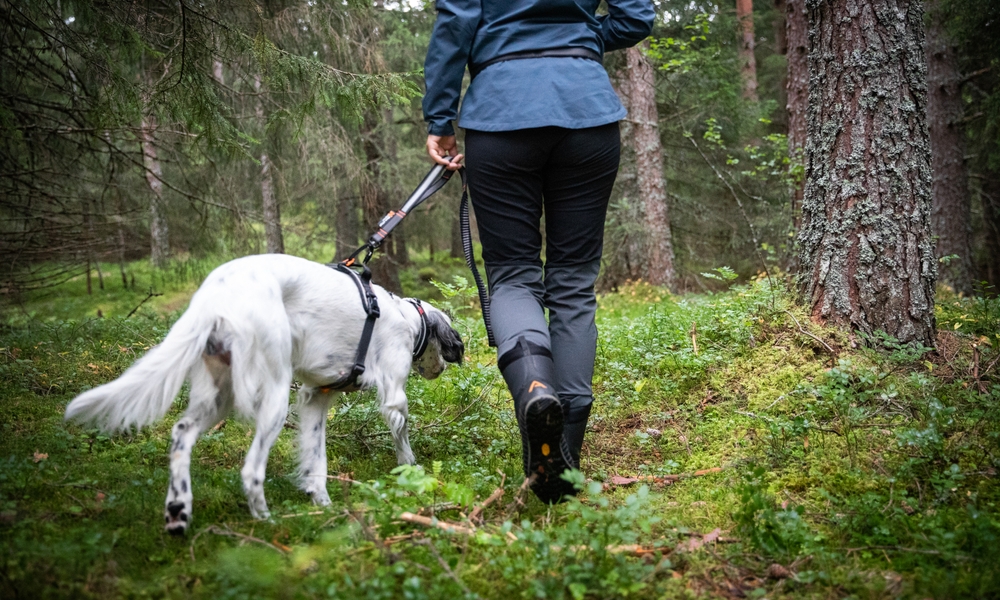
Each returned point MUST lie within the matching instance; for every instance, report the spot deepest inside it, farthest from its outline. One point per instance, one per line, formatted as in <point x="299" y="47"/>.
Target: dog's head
<point x="444" y="346"/>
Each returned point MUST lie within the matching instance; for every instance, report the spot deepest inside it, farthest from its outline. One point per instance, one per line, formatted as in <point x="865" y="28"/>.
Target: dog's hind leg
<point x="270" y="419"/>
<point x="210" y="401"/>
<point x="313" y="408"/>
<point x="392" y="400"/>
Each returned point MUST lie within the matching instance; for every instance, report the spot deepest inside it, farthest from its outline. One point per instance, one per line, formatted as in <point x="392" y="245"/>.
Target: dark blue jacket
<point x="475" y="31"/>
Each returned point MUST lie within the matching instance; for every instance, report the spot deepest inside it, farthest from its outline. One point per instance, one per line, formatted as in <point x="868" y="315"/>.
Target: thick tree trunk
<point x="951" y="217"/>
<point x="375" y="202"/>
<point x="797" y="90"/>
<point x="269" y="199"/>
<point x="748" y="64"/>
<point x="865" y="242"/>
<point x="158" y="232"/>
<point x="648" y="151"/>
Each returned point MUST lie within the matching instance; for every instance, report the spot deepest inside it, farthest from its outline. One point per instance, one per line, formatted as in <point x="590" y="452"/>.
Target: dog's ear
<point x="452" y="347"/>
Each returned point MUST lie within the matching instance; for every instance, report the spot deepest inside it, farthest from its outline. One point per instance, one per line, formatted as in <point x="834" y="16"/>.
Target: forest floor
<point x="736" y="450"/>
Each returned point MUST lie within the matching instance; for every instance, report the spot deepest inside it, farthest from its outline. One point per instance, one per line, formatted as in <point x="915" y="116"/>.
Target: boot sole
<point x="543" y="446"/>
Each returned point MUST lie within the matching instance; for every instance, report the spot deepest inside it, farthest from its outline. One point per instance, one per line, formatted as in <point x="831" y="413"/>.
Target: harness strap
<point x="424" y="337"/>
<point x="370" y="303"/>
<point x="571" y="52"/>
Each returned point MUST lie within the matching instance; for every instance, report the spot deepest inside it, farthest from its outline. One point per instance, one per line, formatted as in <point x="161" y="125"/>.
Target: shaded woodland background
<point x="172" y="130"/>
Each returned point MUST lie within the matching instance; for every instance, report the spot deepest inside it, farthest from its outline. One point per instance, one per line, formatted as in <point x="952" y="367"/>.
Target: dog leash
<point x="436" y="179"/>
<point x="361" y="274"/>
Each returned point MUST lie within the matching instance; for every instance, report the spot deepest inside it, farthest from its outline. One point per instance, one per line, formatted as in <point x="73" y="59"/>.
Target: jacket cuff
<point x="440" y="128"/>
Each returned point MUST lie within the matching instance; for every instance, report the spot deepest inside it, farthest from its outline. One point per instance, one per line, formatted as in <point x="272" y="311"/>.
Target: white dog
<point x="253" y="324"/>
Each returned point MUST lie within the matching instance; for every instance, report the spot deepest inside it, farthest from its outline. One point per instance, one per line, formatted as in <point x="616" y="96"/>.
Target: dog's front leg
<point x="313" y="408"/>
<point x="392" y="400"/>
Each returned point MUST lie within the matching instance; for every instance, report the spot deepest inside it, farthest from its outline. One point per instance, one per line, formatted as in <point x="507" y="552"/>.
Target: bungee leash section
<point x="358" y="270"/>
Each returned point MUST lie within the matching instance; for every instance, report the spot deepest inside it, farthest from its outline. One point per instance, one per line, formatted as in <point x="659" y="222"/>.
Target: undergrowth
<point x="743" y="451"/>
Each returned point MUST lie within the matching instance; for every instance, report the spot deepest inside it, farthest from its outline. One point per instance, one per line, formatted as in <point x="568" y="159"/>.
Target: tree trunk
<point x="347" y="227"/>
<point x="375" y="202"/>
<point x="457" y="251"/>
<point x="951" y="217"/>
<point x="797" y="91"/>
<point x="990" y="199"/>
<point x="645" y="140"/>
<point x="748" y="64"/>
<point x="269" y="200"/>
<point x="865" y="241"/>
<point x="158" y="232"/>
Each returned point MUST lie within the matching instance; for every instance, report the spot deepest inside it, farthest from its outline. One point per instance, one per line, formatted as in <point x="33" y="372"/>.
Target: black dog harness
<point x="369" y="302"/>
<point x="362" y="275"/>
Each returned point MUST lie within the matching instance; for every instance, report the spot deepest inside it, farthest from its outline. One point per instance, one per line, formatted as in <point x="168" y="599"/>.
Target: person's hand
<point x="443" y="149"/>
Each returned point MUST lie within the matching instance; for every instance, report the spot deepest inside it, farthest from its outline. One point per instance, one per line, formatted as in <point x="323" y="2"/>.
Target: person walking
<point x="541" y="138"/>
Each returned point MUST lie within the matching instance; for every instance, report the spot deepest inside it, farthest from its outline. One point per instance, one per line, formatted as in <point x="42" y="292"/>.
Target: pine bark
<point x="748" y="63"/>
<point x="796" y="89"/>
<point x="951" y="216"/>
<point x="865" y="242"/>
<point x="648" y="151"/>
<point x="269" y="199"/>
<point x="158" y="231"/>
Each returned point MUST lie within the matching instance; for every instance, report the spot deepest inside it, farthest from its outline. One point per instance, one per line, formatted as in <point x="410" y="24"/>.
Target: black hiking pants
<point x="516" y="177"/>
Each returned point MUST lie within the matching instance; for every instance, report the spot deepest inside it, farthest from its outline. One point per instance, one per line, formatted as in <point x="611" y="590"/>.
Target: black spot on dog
<point x="181" y="426"/>
<point x="166" y="518"/>
<point x="176" y="531"/>
<point x="175" y="508"/>
<point x="305" y="473"/>
<point x="184" y="485"/>
<point x="452" y="348"/>
<point x="256" y="482"/>
<point x="184" y="517"/>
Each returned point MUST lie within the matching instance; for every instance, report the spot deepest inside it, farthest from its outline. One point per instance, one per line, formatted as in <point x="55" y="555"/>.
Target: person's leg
<point x="506" y="174"/>
<point x="578" y="182"/>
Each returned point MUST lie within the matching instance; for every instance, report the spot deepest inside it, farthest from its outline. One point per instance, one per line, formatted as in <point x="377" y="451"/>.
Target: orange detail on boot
<point x="535" y="384"/>
<point x="545" y="450"/>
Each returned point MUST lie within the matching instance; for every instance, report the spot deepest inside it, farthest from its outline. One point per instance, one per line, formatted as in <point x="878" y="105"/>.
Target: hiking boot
<point x="574" y="426"/>
<point x="528" y="371"/>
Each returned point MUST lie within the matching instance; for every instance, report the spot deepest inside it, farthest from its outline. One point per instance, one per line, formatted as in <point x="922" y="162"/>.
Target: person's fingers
<point x="436" y="153"/>
<point x="456" y="162"/>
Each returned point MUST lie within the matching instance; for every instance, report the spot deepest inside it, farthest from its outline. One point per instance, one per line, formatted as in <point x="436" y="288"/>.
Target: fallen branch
<point x="144" y="300"/>
<point x="496" y="495"/>
<point x="618" y="480"/>
<point x="431" y="522"/>
<point x="804" y="332"/>
<point x="519" y="496"/>
<point x="230" y="533"/>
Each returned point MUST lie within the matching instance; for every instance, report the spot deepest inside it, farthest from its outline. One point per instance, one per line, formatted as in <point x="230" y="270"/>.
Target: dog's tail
<point x="144" y="393"/>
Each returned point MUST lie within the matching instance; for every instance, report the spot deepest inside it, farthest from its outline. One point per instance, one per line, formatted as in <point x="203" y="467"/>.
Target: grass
<point x="829" y="471"/>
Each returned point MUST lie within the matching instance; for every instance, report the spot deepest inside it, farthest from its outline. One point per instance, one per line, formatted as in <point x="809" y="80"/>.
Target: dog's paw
<point x="320" y="498"/>
<point x="177" y="518"/>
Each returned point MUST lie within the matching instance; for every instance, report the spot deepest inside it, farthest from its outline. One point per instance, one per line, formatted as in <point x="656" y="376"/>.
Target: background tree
<point x="866" y="247"/>
<point x="950" y="213"/>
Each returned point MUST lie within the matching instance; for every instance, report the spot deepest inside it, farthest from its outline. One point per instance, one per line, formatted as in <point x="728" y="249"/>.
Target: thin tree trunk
<point x="159" y="234"/>
<point x="645" y="140"/>
<point x="375" y="203"/>
<point x="865" y="239"/>
<point x="269" y="200"/>
<point x="797" y="91"/>
<point x="457" y="251"/>
<point x="347" y="227"/>
<point x="748" y="64"/>
<point x="951" y="216"/>
<point x="990" y="199"/>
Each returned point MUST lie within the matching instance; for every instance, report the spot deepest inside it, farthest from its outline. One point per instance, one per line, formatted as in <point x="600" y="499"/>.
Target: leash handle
<point x="432" y="182"/>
